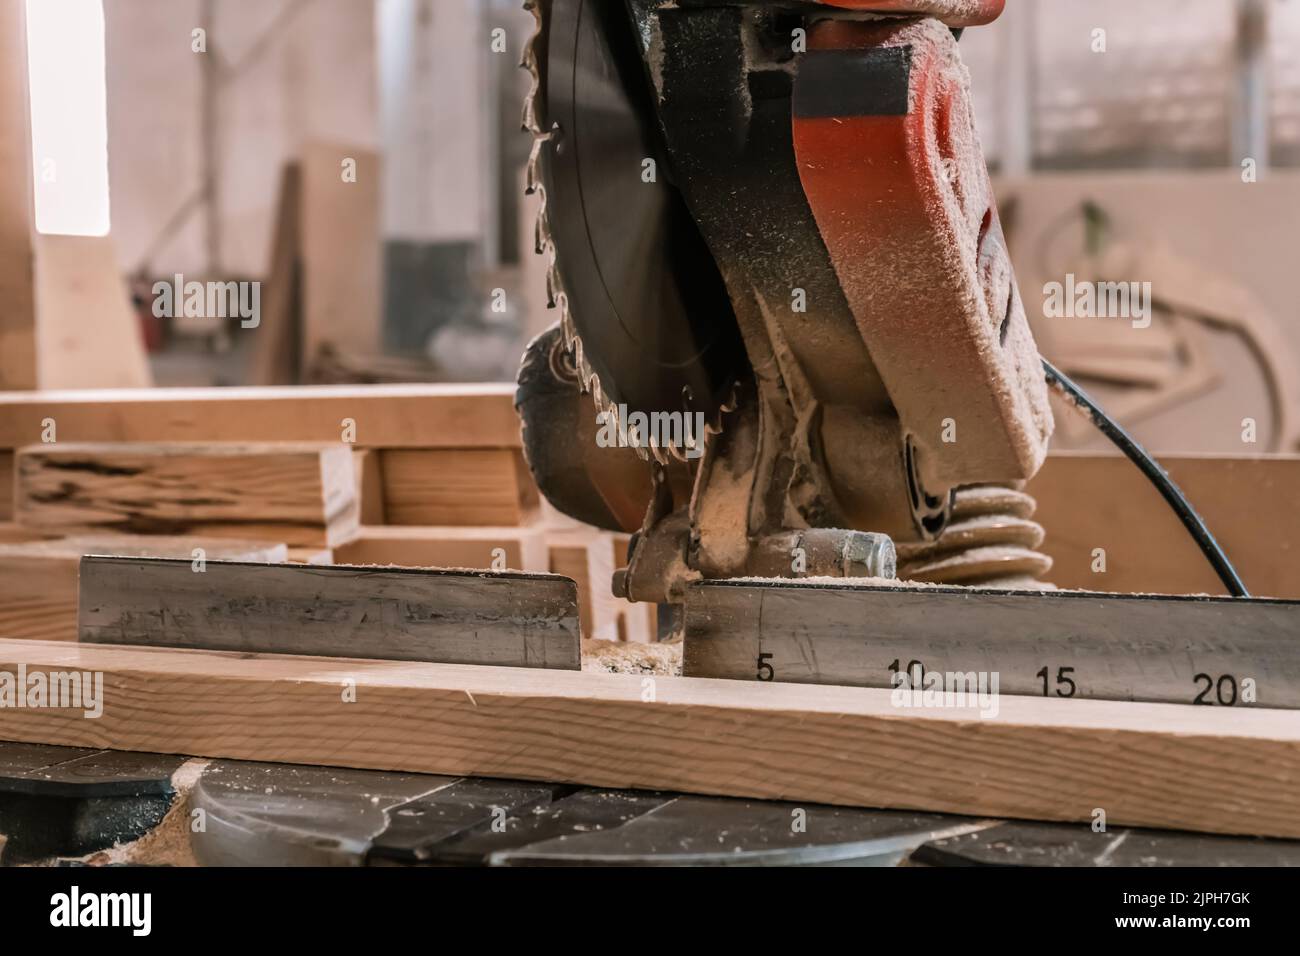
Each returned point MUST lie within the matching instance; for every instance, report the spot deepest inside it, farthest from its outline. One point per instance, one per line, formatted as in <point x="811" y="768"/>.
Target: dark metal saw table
<point x="70" y="805"/>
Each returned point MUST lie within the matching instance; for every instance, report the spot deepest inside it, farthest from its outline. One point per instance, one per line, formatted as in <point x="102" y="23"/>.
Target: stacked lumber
<point x="303" y="495"/>
<point x="402" y="475"/>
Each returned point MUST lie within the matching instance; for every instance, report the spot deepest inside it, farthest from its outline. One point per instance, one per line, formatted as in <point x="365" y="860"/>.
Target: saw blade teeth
<point x="529" y="62"/>
<point x="544" y="244"/>
<point x="531" y="182"/>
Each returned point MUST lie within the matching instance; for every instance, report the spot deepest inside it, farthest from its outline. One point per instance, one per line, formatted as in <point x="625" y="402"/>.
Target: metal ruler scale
<point x="1154" y="648"/>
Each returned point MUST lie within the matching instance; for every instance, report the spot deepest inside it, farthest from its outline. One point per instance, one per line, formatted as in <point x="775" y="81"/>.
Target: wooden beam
<point x="6" y="485"/>
<point x="11" y="533"/>
<point x="370" y="486"/>
<point x="457" y="487"/>
<point x="17" y="258"/>
<point x="342" y="285"/>
<point x="520" y="549"/>
<point x="384" y="416"/>
<point x="77" y="277"/>
<point x="38" y="579"/>
<point x="310" y="555"/>
<point x="1099" y="508"/>
<point x="299" y="494"/>
<point x="277" y="342"/>
<point x="1177" y="766"/>
<point x="409" y="614"/>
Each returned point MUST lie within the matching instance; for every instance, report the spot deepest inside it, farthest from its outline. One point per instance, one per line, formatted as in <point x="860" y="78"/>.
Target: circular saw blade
<point x="641" y="297"/>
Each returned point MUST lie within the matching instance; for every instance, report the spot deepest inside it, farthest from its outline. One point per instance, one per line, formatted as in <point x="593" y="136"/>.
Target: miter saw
<point x="774" y="219"/>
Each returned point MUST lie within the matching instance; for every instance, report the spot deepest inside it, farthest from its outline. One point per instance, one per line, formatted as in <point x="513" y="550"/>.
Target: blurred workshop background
<point x="363" y="161"/>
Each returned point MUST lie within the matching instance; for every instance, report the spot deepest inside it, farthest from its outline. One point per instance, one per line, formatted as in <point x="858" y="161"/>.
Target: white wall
<point x="315" y="79"/>
<point x="434" y="119"/>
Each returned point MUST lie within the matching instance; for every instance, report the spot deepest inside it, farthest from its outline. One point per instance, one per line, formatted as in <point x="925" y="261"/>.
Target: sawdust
<point x="619" y="657"/>
<point x="838" y="582"/>
<point x="932" y="265"/>
<point x="167" y="844"/>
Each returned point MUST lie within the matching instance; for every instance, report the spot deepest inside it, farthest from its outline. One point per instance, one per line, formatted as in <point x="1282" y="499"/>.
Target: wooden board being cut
<point x="412" y="614"/>
<point x="302" y="495"/>
<point x="383" y="416"/>
<point x="38" y="579"/>
<point x="1088" y="502"/>
<point x="1161" y="765"/>
<point x="457" y="487"/>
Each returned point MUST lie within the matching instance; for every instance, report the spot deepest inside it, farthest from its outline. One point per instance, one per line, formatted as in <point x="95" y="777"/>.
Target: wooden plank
<point x="370" y="486"/>
<point x="1176" y="766"/>
<point x="457" y="487"/>
<point x="409" y="614"/>
<point x="518" y="549"/>
<point x="310" y="555"/>
<point x="342" y="286"/>
<point x="300" y="494"/>
<point x="17" y="258"/>
<point x="38" y="580"/>
<point x="11" y="533"/>
<point x="1154" y="648"/>
<point x="78" y="277"/>
<point x="275" y="358"/>
<point x="1088" y="502"/>
<point x="384" y="416"/>
<point x="6" y="485"/>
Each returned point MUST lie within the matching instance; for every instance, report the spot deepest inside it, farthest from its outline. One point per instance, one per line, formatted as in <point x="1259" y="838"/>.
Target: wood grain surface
<point x="385" y="416"/>
<point x="1161" y="765"/>
<point x="456" y="486"/>
<point x="298" y="494"/>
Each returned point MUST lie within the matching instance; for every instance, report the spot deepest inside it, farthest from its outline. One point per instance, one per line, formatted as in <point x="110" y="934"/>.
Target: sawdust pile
<point x="167" y="844"/>
<point x="621" y="657"/>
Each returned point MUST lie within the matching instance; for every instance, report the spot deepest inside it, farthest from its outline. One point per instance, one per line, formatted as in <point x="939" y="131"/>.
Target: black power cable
<point x="1157" y="475"/>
